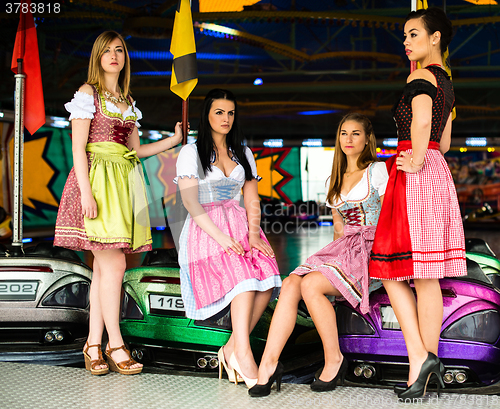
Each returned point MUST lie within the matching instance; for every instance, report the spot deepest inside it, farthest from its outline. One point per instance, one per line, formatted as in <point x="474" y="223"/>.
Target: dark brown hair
<point x="434" y="20"/>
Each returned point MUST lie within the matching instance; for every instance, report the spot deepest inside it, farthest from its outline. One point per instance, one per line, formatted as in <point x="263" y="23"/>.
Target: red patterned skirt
<point x="420" y="232"/>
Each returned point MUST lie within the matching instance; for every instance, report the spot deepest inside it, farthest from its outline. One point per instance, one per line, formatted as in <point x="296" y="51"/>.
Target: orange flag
<point x="26" y="47"/>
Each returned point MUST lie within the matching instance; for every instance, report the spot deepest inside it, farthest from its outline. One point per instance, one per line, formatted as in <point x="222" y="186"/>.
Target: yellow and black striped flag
<point x="184" y="69"/>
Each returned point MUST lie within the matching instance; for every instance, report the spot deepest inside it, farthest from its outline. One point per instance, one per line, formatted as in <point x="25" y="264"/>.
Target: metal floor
<point x="27" y="386"/>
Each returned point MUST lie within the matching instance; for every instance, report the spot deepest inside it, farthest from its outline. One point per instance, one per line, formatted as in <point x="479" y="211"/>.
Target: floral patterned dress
<point x="116" y="180"/>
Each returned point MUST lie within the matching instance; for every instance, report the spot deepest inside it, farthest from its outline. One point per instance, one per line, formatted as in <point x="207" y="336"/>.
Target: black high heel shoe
<point x="401" y="387"/>
<point x="264" y="390"/>
<point x="432" y="365"/>
<point x="320" y="386"/>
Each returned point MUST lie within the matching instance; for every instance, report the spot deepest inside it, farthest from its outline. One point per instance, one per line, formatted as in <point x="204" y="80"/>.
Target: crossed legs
<point x="420" y="321"/>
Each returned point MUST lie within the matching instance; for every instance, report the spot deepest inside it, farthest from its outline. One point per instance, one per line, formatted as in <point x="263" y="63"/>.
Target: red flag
<point x="26" y="47"/>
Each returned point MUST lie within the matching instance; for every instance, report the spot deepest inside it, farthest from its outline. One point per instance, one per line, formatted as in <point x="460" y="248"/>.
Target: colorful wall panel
<point x="280" y="172"/>
<point x="47" y="161"/>
<point x="288" y="175"/>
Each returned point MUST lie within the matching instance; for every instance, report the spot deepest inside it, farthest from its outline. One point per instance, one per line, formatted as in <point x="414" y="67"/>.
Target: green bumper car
<point x="154" y="325"/>
<point x="480" y="252"/>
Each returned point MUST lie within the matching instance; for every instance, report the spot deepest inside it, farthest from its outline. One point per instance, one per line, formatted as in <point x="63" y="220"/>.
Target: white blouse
<point x="82" y="107"/>
<point x="379" y="182"/>
<point x="189" y="165"/>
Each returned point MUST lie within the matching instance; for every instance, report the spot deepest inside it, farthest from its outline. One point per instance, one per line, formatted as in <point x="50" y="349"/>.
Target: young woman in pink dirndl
<point x="420" y="234"/>
<point x="355" y="193"/>
<point x="224" y="256"/>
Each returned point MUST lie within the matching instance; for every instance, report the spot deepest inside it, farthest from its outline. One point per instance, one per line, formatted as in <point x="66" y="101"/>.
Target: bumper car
<point x="154" y="325"/>
<point x="44" y="306"/>
<point x="486" y="217"/>
<point x="469" y="344"/>
<point x="479" y="251"/>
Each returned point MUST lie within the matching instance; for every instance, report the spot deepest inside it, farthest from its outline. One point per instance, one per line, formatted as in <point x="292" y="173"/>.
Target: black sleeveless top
<point x="443" y="101"/>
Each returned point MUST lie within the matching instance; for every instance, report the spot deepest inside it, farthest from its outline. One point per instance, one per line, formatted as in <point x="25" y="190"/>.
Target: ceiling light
<point x="207" y="6"/>
<point x="312" y="142"/>
<point x="319" y="112"/>
<point x="273" y="143"/>
<point x="475" y="141"/>
<point x="390" y="142"/>
<point x="482" y="2"/>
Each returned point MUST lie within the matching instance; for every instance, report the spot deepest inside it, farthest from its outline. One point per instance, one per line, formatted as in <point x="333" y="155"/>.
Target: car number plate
<point x="18" y="290"/>
<point x="166" y="302"/>
<point x="389" y="320"/>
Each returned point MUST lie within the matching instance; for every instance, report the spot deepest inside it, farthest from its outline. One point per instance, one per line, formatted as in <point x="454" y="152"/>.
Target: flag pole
<point x="17" y="220"/>
<point x="185" y="119"/>
<point x="413" y="64"/>
<point x="185" y="109"/>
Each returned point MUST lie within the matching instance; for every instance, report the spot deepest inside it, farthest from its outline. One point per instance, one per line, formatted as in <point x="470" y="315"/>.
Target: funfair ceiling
<point x="317" y="59"/>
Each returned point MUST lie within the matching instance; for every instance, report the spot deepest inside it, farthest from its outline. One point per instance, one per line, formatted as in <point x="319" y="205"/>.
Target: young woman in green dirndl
<point x="103" y="207"/>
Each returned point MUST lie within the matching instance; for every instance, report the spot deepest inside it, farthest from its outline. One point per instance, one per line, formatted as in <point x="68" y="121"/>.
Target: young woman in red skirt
<point x="420" y="234"/>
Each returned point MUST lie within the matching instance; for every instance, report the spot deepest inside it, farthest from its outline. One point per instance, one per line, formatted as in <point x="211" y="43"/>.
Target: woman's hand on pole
<point x="177" y="138"/>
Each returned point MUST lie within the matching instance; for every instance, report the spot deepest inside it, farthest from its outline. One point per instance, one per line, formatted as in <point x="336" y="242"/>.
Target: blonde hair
<point x="96" y="73"/>
<point x="339" y="165"/>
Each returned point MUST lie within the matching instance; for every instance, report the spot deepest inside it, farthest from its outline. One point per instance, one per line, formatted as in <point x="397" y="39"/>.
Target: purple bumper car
<point x="469" y="344"/>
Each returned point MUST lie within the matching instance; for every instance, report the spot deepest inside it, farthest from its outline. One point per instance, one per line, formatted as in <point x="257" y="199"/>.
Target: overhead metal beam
<point x="109" y="5"/>
<point x="165" y="6"/>
<point x="320" y="17"/>
<point x="320" y="87"/>
<point x="455" y="49"/>
<point x="298" y="73"/>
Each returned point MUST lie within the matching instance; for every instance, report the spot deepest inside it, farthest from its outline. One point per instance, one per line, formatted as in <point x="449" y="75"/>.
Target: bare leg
<point x="261" y="301"/>
<point x="405" y="308"/>
<point x="282" y="324"/>
<point x="430" y="312"/>
<point x="241" y="317"/>
<point x="112" y="268"/>
<point x="315" y="287"/>
<point x="96" y="322"/>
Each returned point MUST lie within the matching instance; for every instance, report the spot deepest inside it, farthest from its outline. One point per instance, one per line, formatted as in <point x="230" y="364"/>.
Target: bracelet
<point x="422" y="164"/>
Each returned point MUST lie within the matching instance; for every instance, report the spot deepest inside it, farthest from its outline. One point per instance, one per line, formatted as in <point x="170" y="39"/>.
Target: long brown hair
<point x="96" y="72"/>
<point x="339" y="165"/>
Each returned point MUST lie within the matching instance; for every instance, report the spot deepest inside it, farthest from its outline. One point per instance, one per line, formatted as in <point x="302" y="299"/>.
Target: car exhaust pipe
<point x="202" y="363"/>
<point x="368" y="371"/>
<point x="137" y="354"/>
<point x="58" y="335"/>
<point x="49" y="336"/>
<point x="213" y="362"/>
<point x="448" y="377"/>
<point x="358" y="370"/>
<point x="460" y="377"/>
